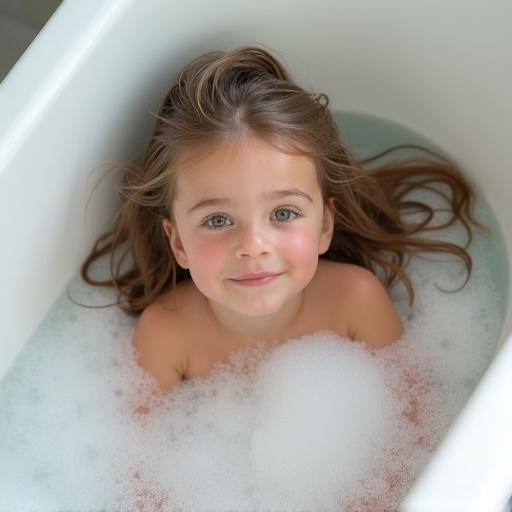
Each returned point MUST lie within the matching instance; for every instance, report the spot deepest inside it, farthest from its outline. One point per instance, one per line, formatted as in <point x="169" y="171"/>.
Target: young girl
<point x="249" y="220"/>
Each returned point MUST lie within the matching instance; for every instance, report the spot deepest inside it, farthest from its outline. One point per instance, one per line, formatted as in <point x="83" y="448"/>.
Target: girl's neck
<point x="245" y="329"/>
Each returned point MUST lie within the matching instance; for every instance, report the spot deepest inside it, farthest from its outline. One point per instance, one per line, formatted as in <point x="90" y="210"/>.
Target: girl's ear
<point x="175" y="243"/>
<point x="327" y="226"/>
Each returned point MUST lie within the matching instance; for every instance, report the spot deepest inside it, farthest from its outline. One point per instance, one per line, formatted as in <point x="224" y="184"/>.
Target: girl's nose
<point x="252" y="241"/>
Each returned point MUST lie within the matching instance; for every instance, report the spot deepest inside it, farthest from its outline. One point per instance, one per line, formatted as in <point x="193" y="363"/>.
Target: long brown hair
<point x="221" y="95"/>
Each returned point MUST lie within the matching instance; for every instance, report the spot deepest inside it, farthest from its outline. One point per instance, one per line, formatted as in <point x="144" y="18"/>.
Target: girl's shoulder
<point x="160" y="340"/>
<point x="342" y="278"/>
<point x="359" y="302"/>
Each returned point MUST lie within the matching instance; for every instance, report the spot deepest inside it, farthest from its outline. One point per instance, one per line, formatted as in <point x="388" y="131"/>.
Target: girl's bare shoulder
<point x="160" y="339"/>
<point x="360" y="304"/>
<point x="340" y="280"/>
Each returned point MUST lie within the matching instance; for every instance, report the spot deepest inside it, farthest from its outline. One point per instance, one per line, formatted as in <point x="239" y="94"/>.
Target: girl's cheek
<point x="209" y="250"/>
<point x="299" y="251"/>
<point x="301" y="245"/>
<point x="205" y="259"/>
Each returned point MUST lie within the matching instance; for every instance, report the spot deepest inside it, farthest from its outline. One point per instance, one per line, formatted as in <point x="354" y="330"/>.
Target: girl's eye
<point x="218" y="221"/>
<point x="287" y="212"/>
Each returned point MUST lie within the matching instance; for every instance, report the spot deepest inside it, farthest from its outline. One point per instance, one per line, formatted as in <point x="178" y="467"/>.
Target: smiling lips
<point x="256" y="279"/>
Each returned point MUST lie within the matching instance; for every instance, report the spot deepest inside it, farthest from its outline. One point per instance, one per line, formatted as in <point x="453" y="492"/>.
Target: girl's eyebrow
<point x="269" y="196"/>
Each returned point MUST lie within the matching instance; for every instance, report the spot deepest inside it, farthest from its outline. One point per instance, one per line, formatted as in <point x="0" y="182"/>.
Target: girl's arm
<point x="375" y="321"/>
<point x="157" y="342"/>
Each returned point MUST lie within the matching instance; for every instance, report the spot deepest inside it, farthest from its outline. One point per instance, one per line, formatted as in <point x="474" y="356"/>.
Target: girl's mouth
<point x="259" y="281"/>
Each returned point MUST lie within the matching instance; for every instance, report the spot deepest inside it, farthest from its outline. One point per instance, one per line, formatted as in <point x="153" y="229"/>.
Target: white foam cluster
<point x="326" y="413"/>
<point x="316" y="423"/>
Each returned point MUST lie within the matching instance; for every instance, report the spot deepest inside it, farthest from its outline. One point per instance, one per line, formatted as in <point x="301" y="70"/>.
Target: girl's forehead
<point x="249" y="161"/>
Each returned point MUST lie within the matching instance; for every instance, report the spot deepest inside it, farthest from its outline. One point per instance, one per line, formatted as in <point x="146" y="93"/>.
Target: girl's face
<point x="249" y="208"/>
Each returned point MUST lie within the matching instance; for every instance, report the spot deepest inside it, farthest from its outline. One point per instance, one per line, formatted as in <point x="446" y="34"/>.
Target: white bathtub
<point x="79" y="96"/>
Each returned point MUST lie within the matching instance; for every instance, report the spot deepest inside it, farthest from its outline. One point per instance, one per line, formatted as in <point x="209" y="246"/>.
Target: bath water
<point x="317" y="423"/>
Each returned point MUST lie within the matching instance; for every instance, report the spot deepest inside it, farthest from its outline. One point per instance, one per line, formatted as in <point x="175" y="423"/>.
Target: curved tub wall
<point x="75" y="100"/>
